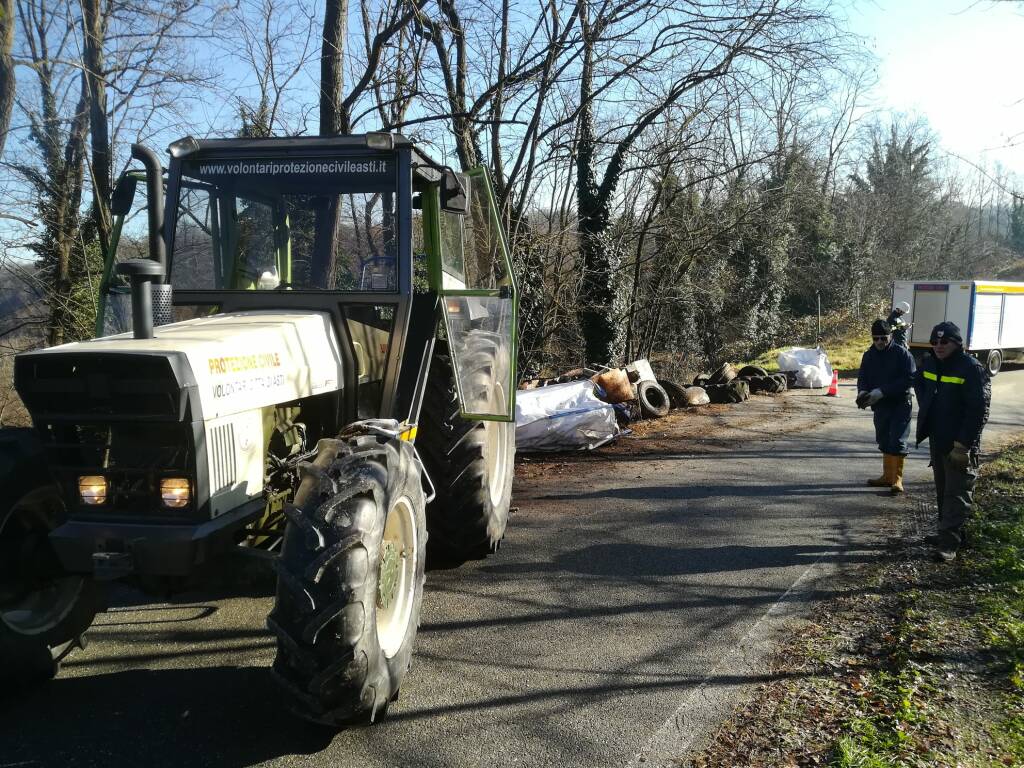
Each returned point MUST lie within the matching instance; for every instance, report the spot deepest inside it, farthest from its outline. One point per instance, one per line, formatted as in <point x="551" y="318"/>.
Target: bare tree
<point x="58" y="124"/>
<point x="680" y="50"/>
<point x="276" y="41"/>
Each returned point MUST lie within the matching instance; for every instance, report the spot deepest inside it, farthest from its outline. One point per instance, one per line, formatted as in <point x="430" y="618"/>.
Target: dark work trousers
<point x="892" y="425"/>
<point x="954" y="491"/>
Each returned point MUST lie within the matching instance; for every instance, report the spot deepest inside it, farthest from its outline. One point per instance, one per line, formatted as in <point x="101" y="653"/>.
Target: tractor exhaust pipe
<point x="154" y="204"/>
<point x="147" y="275"/>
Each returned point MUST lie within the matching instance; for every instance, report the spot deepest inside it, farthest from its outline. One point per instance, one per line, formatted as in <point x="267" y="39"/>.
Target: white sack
<point x="813" y="369"/>
<point x="563" y="417"/>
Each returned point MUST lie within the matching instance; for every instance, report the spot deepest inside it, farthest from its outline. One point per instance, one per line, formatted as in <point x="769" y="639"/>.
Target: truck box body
<point x="990" y="314"/>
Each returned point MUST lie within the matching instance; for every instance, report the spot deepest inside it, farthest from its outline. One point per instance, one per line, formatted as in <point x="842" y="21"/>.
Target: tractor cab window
<point x="279" y="225"/>
<point x="479" y="302"/>
<point x="472" y="255"/>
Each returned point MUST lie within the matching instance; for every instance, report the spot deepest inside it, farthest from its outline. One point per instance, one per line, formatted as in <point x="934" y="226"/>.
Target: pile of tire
<point x="762" y="382"/>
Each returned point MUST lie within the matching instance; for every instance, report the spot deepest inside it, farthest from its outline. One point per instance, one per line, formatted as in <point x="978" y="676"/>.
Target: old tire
<point x="350" y="581"/>
<point x="700" y="380"/>
<point x="719" y="393"/>
<point x="757" y="384"/>
<point x="993" y="361"/>
<point x="676" y="393"/>
<point x="783" y="381"/>
<point x="470" y="463"/>
<point x="44" y="611"/>
<point x="748" y="371"/>
<point x="654" y="402"/>
<point x="723" y="375"/>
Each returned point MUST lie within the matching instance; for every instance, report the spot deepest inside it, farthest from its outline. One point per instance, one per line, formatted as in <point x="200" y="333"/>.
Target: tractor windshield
<point x="291" y="223"/>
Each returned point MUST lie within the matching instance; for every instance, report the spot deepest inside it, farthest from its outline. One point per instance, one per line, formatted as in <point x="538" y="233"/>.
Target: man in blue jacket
<point x="953" y="398"/>
<point x="886" y="375"/>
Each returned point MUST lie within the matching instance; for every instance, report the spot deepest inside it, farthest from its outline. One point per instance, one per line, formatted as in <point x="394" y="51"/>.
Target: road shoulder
<point x="910" y="663"/>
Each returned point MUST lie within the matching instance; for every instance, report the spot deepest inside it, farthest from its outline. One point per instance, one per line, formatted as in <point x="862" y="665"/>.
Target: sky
<point x="957" y="63"/>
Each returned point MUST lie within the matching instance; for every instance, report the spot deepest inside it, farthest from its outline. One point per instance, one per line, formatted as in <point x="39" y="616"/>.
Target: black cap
<point x="946" y="330"/>
<point x="880" y="328"/>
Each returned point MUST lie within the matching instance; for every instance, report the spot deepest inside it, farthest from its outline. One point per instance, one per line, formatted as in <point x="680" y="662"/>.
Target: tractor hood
<point x="229" y="362"/>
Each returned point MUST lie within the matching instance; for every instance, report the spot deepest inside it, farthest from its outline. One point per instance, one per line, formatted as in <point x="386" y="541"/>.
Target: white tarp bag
<point x="563" y="417"/>
<point x="813" y="369"/>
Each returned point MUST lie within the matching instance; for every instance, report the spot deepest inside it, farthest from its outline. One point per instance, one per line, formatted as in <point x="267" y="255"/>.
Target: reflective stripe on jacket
<point x="953" y="399"/>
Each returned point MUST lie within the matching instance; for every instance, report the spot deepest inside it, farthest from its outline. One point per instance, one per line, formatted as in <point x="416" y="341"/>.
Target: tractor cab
<point x="367" y="228"/>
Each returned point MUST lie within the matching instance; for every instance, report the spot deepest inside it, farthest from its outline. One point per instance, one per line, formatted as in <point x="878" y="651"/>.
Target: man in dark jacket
<point x="886" y="375"/>
<point x="953" y="397"/>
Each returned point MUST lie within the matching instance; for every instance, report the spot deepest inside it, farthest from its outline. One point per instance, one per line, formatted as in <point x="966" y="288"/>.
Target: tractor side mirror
<point x="124" y="195"/>
<point x="454" y="192"/>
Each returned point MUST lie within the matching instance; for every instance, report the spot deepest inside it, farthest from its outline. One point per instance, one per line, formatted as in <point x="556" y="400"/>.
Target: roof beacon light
<point x="380" y="140"/>
<point x="183" y="147"/>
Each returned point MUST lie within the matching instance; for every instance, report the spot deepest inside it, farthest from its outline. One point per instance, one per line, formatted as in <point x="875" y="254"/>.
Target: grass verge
<point x="912" y="663"/>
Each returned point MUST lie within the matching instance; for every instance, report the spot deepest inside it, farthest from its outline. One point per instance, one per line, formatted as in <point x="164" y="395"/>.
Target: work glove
<point x="960" y="456"/>
<point x="862" y="399"/>
<point x="874" y="396"/>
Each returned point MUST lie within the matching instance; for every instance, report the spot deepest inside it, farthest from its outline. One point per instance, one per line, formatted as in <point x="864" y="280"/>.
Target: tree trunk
<point x="65" y="164"/>
<point x="332" y="68"/>
<point x="94" y="35"/>
<point x="333" y="121"/>
<point x="6" y="68"/>
<point x="597" y="257"/>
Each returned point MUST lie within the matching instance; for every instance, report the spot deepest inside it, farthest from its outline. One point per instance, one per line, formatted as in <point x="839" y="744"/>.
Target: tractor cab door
<point x="479" y="296"/>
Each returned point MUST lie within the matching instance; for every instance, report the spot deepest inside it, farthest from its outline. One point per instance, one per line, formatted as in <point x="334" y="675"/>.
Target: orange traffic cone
<point x="833" y="388"/>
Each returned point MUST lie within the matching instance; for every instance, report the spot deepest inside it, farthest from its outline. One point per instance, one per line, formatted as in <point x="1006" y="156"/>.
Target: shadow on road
<point x="708" y="491"/>
<point x="223" y="716"/>
<point x="627" y="560"/>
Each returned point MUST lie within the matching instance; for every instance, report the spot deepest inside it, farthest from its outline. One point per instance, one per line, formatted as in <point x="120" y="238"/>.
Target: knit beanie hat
<point x="946" y="330"/>
<point x="880" y="328"/>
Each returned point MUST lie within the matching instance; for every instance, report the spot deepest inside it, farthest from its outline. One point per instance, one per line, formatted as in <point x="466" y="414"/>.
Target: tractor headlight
<point x="176" y="492"/>
<point x="92" y="489"/>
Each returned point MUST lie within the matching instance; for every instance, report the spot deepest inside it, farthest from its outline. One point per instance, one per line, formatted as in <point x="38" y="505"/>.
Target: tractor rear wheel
<point x="350" y="581"/>
<point x="471" y="463"/>
<point x="44" y="611"/>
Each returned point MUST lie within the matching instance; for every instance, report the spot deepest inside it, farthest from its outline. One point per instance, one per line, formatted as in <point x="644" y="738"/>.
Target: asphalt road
<point x="631" y="603"/>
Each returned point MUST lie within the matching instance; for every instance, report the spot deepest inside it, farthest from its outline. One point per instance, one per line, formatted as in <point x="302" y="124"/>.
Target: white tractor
<point x="315" y="364"/>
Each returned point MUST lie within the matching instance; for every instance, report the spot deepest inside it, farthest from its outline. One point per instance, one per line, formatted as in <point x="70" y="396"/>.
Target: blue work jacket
<point x="953" y="398"/>
<point x="891" y="370"/>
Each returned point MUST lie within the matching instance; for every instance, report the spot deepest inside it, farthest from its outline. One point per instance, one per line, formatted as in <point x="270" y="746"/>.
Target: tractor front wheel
<point x="350" y="581"/>
<point x="44" y="611"/>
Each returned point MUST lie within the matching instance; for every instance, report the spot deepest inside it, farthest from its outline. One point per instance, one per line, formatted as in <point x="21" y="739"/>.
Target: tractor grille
<point x="222" y="448"/>
<point x="133" y="458"/>
<point x="112" y="386"/>
<point x="120" y="415"/>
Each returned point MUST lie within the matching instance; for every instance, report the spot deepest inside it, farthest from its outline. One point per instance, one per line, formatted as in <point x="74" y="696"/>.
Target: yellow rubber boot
<point x="885" y="481"/>
<point x="897" y="475"/>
